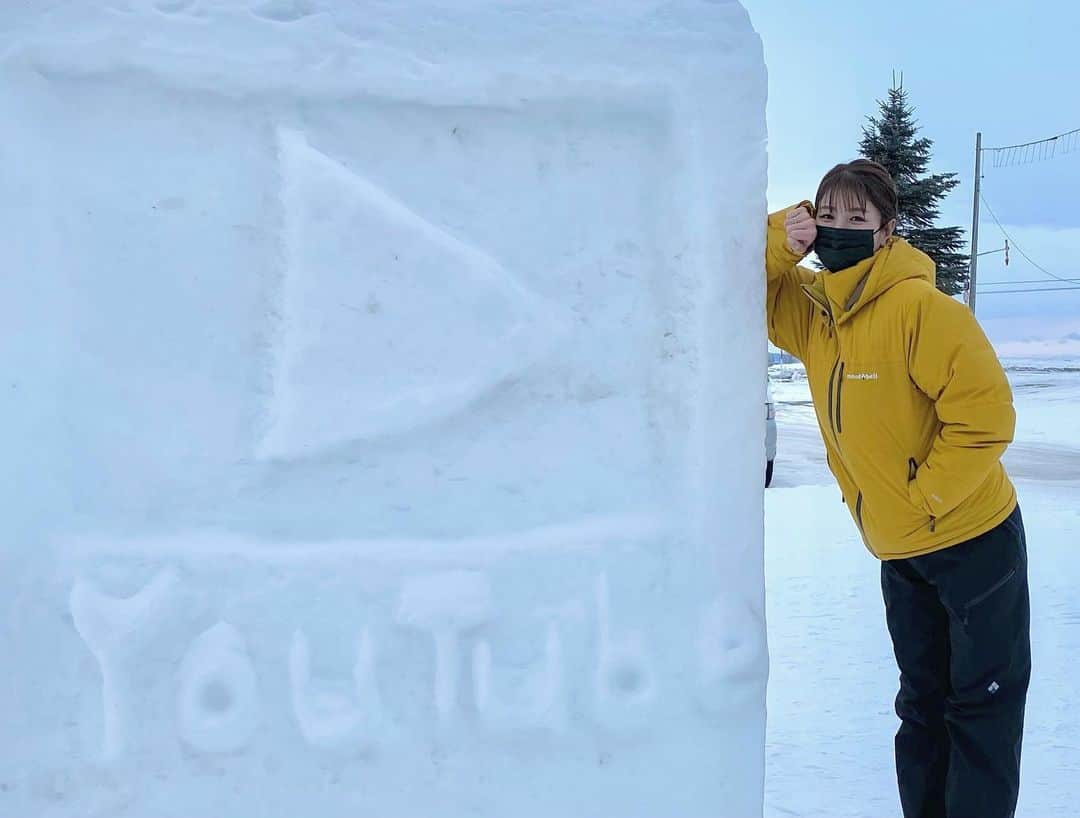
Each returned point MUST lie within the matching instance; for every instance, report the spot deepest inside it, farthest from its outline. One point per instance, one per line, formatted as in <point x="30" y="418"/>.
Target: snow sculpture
<point x="420" y="343"/>
<point x="218" y="703"/>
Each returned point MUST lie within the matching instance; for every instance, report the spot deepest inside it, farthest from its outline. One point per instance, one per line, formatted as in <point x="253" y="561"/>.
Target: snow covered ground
<point x="831" y="723"/>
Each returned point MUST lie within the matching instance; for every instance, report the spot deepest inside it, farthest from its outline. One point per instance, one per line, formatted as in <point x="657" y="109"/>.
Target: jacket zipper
<point x="832" y="383"/>
<point x="826" y="311"/>
<point x="839" y="394"/>
<point x="834" y="402"/>
<point x="835" y="395"/>
<point x="836" y="423"/>
<point x="913" y="470"/>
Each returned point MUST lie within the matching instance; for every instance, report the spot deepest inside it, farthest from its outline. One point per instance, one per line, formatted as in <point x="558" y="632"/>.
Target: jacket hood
<point x="846" y="292"/>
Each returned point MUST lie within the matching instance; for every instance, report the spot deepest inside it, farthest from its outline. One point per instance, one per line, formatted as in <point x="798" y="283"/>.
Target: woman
<point x="916" y="412"/>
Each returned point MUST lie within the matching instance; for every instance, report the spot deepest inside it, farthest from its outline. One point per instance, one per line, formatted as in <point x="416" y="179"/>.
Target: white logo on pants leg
<point x="994" y="688"/>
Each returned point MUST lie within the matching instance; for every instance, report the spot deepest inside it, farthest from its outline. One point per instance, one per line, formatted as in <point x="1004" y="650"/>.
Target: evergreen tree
<point x="892" y="140"/>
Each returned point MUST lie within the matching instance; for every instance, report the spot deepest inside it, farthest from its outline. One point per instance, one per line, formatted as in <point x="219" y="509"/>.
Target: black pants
<point x="959" y="620"/>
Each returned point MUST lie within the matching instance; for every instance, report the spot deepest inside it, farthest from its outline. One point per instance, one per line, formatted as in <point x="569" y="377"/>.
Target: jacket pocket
<point x="913" y="472"/>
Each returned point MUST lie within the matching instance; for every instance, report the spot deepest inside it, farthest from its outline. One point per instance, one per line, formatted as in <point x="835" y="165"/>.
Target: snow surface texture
<point x="382" y="422"/>
<point x="833" y="675"/>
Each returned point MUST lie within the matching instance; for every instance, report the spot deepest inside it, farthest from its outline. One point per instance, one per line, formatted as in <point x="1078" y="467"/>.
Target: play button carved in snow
<point x="360" y="266"/>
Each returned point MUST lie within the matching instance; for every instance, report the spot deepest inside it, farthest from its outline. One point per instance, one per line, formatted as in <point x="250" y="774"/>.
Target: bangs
<point x="843" y="189"/>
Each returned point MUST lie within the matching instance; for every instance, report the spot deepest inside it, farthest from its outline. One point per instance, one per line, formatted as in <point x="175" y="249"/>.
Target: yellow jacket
<point x="913" y="404"/>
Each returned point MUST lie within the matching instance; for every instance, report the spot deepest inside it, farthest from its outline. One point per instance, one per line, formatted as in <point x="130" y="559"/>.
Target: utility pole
<point x="973" y="269"/>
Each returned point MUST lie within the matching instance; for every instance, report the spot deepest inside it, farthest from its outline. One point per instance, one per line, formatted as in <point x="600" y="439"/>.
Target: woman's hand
<point x="801" y="230"/>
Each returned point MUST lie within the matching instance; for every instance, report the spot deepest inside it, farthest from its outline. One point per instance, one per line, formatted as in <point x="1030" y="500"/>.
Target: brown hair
<point x="856" y="182"/>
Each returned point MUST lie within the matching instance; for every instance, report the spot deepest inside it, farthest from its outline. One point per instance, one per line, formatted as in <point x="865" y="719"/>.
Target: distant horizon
<point x="1067" y="352"/>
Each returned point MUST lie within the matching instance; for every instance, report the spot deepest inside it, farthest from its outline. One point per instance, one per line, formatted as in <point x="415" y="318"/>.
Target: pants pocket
<point x="971" y="575"/>
<point x="980" y="598"/>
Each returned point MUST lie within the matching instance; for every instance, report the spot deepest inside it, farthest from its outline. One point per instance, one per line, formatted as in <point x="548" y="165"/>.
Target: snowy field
<point x="831" y="723"/>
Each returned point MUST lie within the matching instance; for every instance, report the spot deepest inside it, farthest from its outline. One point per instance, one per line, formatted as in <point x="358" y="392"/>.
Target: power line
<point x="1024" y="281"/>
<point x="1004" y="156"/>
<point x="1038" y="151"/>
<point x="1029" y="290"/>
<point x="1019" y="249"/>
<point x="1035" y="142"/>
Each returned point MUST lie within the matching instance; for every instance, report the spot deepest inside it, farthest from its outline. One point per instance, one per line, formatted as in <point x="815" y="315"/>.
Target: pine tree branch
<point x="892" y="139"/>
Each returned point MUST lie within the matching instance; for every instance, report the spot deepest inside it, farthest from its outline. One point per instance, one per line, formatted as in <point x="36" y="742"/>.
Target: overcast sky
<point x="1011" y="70"/>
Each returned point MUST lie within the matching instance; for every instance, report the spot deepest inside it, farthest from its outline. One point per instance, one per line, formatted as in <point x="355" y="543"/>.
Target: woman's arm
<point x="953" y="363"/>
<point x="788" y="309"/>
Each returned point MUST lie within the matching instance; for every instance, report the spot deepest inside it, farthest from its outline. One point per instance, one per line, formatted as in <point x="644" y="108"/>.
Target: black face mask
<point x="841" y="247"/>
